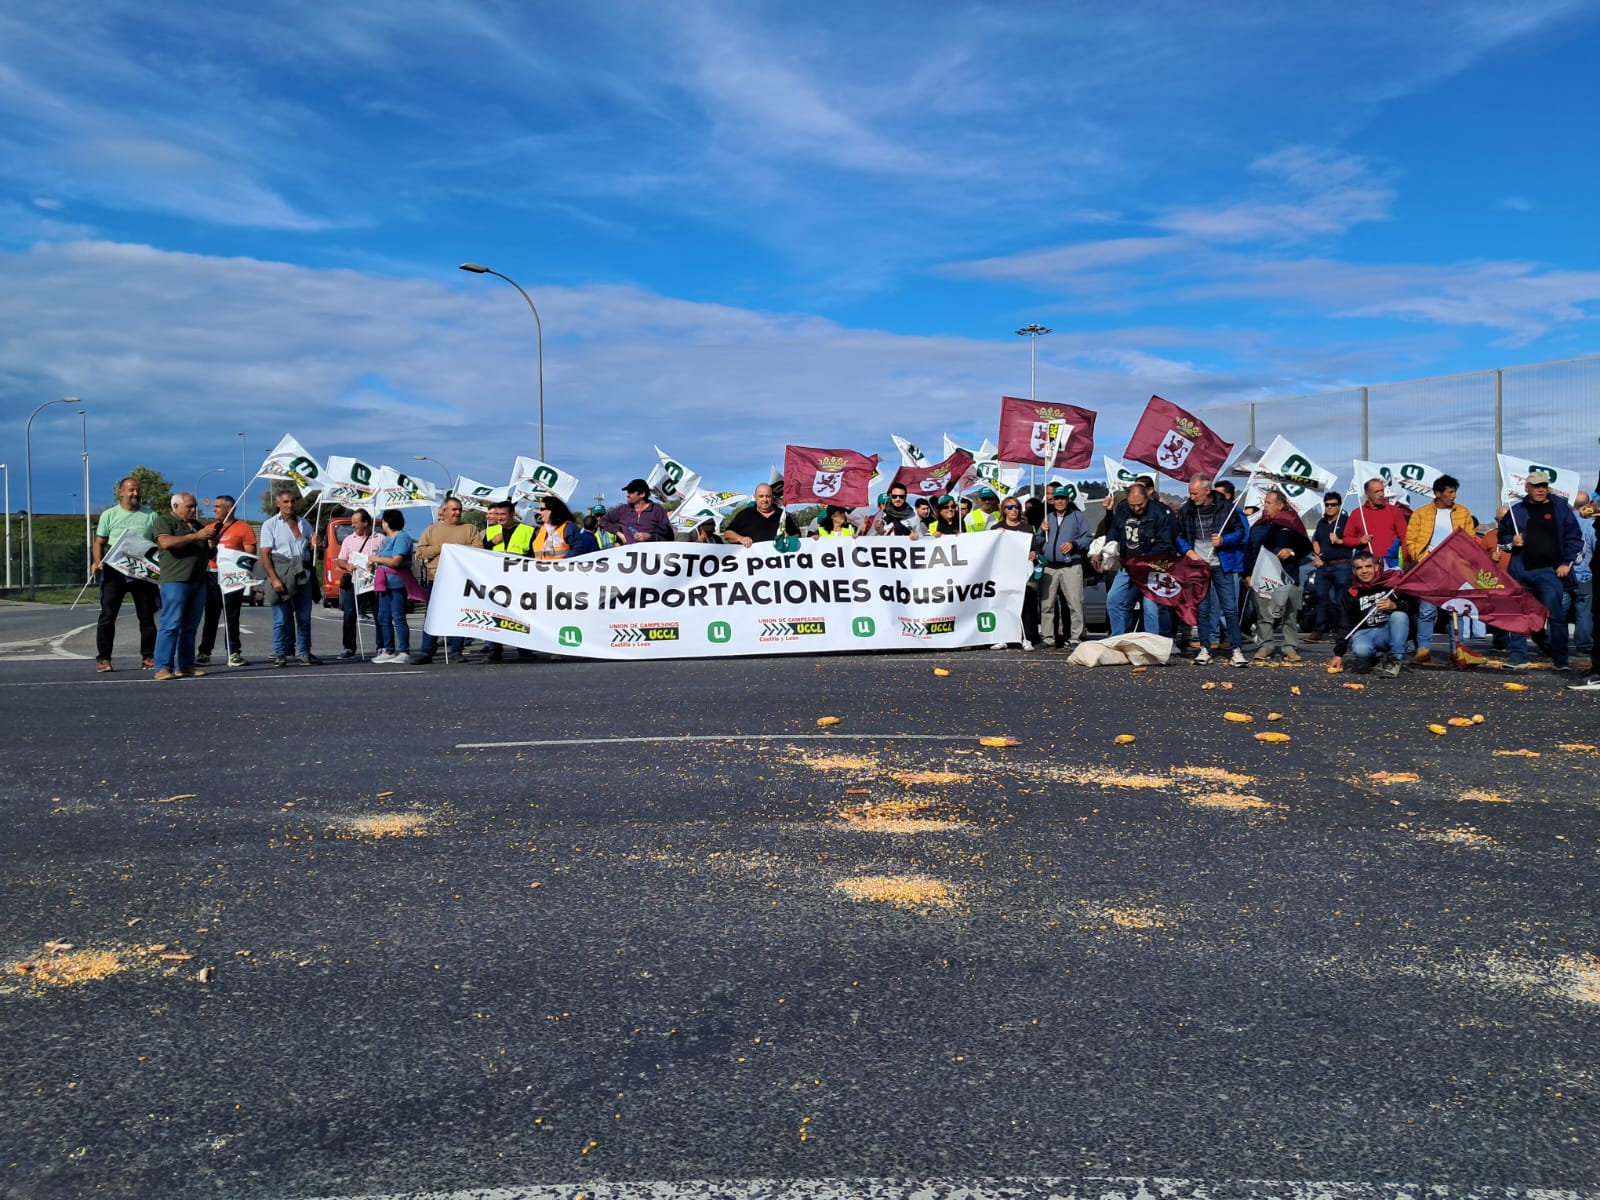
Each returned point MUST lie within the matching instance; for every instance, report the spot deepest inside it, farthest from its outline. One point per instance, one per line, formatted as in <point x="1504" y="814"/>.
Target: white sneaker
<point x="1591" y="684"/>
<point x="1203" y="658"/>
<point x="1239" y="660"/>
<point x="383" y="656"/>
<point x="400" y="660"/>
<point x="1027" y="645"/>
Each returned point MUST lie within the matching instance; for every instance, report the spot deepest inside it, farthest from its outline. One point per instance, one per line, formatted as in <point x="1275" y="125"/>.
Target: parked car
<point x="338" y="529"/>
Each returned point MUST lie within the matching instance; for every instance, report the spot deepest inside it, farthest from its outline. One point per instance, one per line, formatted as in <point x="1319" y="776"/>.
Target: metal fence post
<point x="1499" y="412"/>
<point x="1252" y="438"/>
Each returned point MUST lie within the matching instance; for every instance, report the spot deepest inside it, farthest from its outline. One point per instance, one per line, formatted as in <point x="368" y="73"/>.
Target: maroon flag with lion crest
<point x="1175" y="581"/>
<point x="1176" y="443"/>
<point x="1459" y="576"/>
<point x="1042" y="434"/>
<point x="935" y="480"/>
<point x="812" y="476"/>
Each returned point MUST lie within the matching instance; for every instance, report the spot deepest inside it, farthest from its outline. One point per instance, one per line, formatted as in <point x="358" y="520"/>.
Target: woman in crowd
<point x="946" y="516"/>
<point x="392" y="578"/>
<point x="560" y="535"/>
<point x="835" y="523"/>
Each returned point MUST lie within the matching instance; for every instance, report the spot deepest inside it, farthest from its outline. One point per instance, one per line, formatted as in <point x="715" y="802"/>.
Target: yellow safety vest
<point x="521" y="539"/>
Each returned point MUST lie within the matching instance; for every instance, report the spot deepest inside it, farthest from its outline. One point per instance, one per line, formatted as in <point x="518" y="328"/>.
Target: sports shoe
<point x="1290" y="654"/>
<point x="310" y="660"/>
<point x="1464" y="659"/>
<point x="1518" y="666"/>
<point x="238" y="660"/>
<point x="165" y="674"/>
<point x="1390" y="668"/>
<point x="279" y="660"/>
<point x="421" y="660"/>
<point x="382" y="656"/>
<point x="1202" y="657"/>
<point x="401" y="659"/>
<point x="202" y="660"/>
<point x="102" y="664"/>
<point x="346" y="655"/>
<point x="1239" y="660"/>
<point x="1027" y="645"/>
<point x="1591" y="684"/>
<point x="147" y="663"/>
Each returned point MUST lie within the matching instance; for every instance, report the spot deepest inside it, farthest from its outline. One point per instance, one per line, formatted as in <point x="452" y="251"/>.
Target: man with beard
<point x="899" y="519"/>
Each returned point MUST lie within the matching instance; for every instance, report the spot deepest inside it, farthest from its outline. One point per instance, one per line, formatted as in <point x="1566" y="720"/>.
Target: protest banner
<point x="695" y="601"/>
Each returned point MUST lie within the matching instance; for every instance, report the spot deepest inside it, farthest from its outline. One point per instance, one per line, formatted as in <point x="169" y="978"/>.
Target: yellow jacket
<point x="1419" y="530"/>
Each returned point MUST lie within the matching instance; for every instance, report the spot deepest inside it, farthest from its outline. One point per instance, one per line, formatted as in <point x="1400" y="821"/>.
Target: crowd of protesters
<point x="1336" y="580"/>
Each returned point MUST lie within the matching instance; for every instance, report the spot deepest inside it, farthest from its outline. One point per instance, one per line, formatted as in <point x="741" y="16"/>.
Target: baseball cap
<point x="598" y="510"/>
<point x="1060" y="493"/>
<point x="636" y="485"/>
<point x="987" y="493"/>
<point x="1537" y="477"/>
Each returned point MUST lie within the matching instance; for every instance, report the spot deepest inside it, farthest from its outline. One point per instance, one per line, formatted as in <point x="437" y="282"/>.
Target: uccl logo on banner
<point x="1180" y="440"/>
<point x="639" y="636"/>
<point x="790" y="629"/>
<point x="477" y="618"/>
<point x="830" y="476"/>
<point x="925" y="628"/>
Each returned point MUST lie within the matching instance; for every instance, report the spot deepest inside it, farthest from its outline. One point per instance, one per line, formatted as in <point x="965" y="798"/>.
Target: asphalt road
<point x="354" y="930"/>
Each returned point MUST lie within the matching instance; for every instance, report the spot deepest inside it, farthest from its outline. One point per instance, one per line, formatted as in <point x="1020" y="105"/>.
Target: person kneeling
<point x="1373" y="621"/>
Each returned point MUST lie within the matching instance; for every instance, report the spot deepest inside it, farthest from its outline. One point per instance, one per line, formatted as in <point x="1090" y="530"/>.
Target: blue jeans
<point x="394" y="633"/>
<point x="290" y="616"/>
<point x="183" y="605"/>
<point x="1549" y="588"/>
<point x="1583" y="617"/>
<point x="1332" y="580"/>
<point x="455" y="647"/>
<point x="1121" y="601"/>
<point x="1388" y="637"/>
<point x="1220" y="608"/>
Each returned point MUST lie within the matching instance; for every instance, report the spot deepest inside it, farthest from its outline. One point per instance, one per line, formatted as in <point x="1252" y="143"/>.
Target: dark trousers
<point x="216" y="605"/>
<point x="350" y="605"/>
<point x="114" y="585"/>
<point x="1333" y="580"/>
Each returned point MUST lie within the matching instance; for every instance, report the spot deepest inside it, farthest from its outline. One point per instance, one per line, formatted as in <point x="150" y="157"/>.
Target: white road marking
<point x="730" y="737"/>
<point x="52" y="644"/>
<point x="302" y="673"/>
<point x="1015" y="1188"/>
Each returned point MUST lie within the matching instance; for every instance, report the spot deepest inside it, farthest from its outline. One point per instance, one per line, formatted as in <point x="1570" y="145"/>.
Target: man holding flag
<point x="1373" y="622"/>
<point x="1544" y="540"/>
<point x="1279" y="535"/>
<point x="1141" y="529"/>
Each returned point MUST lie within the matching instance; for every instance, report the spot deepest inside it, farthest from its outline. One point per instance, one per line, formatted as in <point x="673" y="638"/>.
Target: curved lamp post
<point x="449" y="479"/>
<point x="479" y="269"/>
<point x="27" y="442"/>
<point x="206" y="475"/>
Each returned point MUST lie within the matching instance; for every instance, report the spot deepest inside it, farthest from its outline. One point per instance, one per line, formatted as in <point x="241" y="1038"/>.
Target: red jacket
<point x="1387" y="525"/>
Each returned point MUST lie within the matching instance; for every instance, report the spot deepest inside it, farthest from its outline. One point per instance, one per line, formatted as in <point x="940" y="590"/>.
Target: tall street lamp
<point x="244" y="471"/>
<point x="27" y="444"/>
<point x="478" y="269"/>
<point x="88" y="527"/>
<point x="7" y="470"/>
<point x="1033" y="333"/>
<point x="449" y="479"/>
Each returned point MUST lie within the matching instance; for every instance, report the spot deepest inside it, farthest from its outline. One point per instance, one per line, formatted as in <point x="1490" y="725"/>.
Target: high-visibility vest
<point x="551" y="541"/>
<point x="520" y="542"/>
<point x="847" y="531"/>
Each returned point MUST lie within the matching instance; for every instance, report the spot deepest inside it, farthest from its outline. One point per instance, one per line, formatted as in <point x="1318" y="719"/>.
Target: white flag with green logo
<point x="1514" y="478"/>
<point x="292" y="462"/>
<point x="530" y="477"/>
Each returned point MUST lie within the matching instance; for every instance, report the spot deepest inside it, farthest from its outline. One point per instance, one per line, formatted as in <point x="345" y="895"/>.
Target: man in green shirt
<point x="127" y="515"/>
<point x="186" y="548"/>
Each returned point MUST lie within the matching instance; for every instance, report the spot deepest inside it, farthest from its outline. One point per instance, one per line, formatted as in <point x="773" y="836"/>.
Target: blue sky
<point x="748" y="224"/>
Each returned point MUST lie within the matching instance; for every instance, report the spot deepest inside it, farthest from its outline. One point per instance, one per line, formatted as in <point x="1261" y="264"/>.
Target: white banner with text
<point x="689" y="600"/>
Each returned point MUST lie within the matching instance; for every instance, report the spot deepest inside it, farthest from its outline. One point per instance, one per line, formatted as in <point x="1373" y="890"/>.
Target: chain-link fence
<point x="1548" y="412"/>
